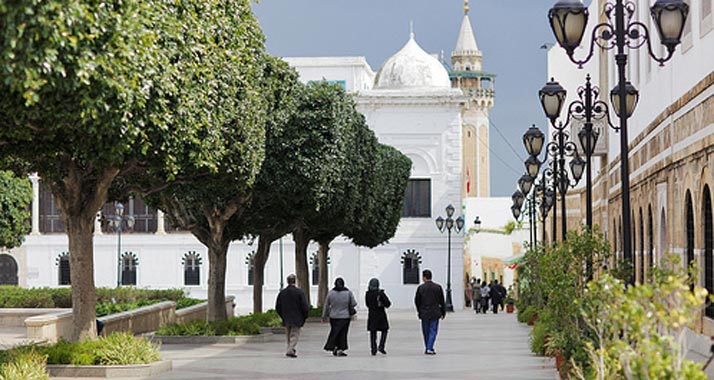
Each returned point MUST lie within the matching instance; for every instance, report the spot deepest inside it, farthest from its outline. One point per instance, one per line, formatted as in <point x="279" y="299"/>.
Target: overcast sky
<point x="510" y="34"/>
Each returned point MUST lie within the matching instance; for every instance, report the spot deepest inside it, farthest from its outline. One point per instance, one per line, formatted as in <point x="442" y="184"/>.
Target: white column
<point x="35" y="179"/>
<point x="160" y="229"/>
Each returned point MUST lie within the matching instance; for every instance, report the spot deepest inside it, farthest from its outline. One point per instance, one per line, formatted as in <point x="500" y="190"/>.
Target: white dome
<point x="412" y="67"/>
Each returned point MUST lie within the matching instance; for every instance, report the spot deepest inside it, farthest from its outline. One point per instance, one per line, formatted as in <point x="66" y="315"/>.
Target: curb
<point x="109" y="371"/>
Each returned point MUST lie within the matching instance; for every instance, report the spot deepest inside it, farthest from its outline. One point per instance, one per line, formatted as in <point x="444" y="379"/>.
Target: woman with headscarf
<point x="377" y="301"/>
<point x="339" y="307"/>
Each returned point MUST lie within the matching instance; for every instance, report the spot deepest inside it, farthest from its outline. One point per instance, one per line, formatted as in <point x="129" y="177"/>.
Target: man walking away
<point x="429" y="301"/>
<point x="485" y="290"/>
<point x="497" y="294"/>
<point x="292" y="308"/>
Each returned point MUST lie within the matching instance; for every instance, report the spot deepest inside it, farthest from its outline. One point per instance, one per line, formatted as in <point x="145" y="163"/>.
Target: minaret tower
<point x="478" y="86"/>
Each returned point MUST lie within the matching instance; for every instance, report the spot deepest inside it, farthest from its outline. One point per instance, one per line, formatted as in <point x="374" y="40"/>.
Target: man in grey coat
<point x="292" y="308"/>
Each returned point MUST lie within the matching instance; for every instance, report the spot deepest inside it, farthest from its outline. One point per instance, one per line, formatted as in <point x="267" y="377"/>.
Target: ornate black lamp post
<point x="117" y="222"/>
<point x="448" y="224"/>
<point x="588" y="108"/>
<point x="569" y="18"/>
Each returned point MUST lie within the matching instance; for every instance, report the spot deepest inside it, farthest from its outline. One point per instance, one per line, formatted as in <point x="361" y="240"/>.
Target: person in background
<point x="292" y="308"/>
<point x="429" y="301"/>
<point x="377" y="301"/>
<point x="498" y="293"/>
<point x="485" y="290"/>
<point x="339" y="306"/>
<point x="477" y="296"/>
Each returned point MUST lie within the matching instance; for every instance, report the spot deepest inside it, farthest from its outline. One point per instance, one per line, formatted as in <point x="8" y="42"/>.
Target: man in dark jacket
<point x="292" y="308"/>
<point x="429" y="301"/>
<point x="497" y="293"/>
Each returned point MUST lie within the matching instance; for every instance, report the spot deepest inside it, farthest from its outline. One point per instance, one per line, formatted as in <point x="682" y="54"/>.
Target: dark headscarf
<point x="373" y="284"/>
<point x="339" y="285"/>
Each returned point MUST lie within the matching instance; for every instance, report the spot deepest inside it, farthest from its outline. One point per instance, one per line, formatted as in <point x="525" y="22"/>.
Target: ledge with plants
<point x="250" y="328"/>
<point x="605" y="329"/>
<point x="117" y="355"/>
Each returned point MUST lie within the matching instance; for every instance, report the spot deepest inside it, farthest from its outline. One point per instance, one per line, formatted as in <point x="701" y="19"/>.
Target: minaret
<point x="478" y="86"/>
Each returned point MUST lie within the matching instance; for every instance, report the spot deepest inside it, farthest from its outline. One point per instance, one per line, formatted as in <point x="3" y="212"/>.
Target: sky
<point x="509" y="33"/>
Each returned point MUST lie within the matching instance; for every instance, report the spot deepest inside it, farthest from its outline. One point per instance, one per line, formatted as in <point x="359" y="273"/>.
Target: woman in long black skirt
<point x="377" y="301"/>
<point x="339" y="306"/>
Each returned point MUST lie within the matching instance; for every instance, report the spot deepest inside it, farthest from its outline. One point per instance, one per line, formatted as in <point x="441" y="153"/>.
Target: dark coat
<point x="498" y="293"/>
<point x="377" y="318"/>
<point x="292" y="306"/>
<point x="429" y="301"/>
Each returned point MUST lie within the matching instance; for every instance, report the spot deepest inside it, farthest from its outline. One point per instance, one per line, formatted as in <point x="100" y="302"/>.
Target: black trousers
<point x="337" y="340"/>
<point x="373" y="340"/>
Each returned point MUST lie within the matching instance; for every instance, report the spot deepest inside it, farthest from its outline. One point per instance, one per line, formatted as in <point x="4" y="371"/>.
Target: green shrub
<point x="538" y="337"/>
<point x="243" y="325"/>
<point x="182" y="303"/>
<point x="315" y="312"/>
<point x="115" y="349"/>
<point x="28" y="365"/>
<point x="526" y="314"/>
<point x="124" y="348"/>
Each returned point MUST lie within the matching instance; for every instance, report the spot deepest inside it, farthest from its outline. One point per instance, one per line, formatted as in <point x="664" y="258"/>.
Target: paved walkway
<point x="468" y="347"/>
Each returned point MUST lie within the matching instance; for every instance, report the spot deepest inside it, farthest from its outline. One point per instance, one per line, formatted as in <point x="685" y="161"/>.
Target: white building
<point x="409" y="103"/>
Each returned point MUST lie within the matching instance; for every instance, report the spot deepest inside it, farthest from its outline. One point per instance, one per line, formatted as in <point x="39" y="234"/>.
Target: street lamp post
<point x="448" y="224"/>
<point x="568" y="20"/>
<point x="117" y="221"/>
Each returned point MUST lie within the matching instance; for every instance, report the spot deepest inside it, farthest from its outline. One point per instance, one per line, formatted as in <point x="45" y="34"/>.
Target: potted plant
<point x="509" y="304"/>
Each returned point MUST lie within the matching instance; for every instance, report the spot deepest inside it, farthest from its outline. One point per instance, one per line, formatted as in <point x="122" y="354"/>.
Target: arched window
<point x="689" y="229"/>
<point x="8" y="270"/>
<point x="708" y="247"/>
<point x="250" y="263"/>
<point x="642" y="248"/>
<point x="129" y="262"/>
<point x="63" y="272"/>
<point x="191" y="268"/>
<point x="410" y="266"/>
<point x="650" y="228"/>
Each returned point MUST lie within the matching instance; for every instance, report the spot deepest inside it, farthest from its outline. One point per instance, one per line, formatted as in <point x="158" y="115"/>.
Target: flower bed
<point x="244" y="325"/>
<point x="120" y="351"/>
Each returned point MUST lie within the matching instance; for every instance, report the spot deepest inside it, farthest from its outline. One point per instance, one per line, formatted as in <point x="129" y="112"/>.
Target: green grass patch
<point x="26" y="364"/>
<point x="119" y="348"/>
<point x="243" y="325"/>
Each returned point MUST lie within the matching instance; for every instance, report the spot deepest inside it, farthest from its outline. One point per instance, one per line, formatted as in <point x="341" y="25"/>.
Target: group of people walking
<point x="486" y="296"/>
<point x="340" y="305"/>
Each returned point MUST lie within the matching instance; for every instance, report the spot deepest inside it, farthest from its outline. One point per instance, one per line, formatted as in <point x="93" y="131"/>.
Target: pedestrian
<point x="429" y="301"/>
<point x="292" y="308"/>
<point x="377" y="301"/>
<point x="477" y="296"/>
<point x="468" y="293"/>
<point x="339" y="306"/>
<point x="485" y="290"/>
<point x="497" y="292"/>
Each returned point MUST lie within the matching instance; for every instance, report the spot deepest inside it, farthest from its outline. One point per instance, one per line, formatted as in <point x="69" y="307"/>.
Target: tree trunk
<point x="301" y="268"/>
<point x="323" y="283"/>
<point x="79" y="196"/>
<point x="80" y="232"/>
<point x="261" y="257"/>
<point x="217" y="258"/>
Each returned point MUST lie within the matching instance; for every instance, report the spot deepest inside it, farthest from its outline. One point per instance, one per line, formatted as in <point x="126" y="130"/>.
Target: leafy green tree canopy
<point x="15" y="198"/>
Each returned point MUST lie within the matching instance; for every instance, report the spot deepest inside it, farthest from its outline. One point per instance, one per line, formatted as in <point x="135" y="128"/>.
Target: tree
<point x="212" y="207"/>
<point x="96" y="90"/>
<point x="15" y="199"/>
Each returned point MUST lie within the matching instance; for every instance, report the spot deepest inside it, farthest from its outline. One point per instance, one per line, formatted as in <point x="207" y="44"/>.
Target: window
<point x="129" y="262"/>
<point x="417" y="202"/>
<point x="63" y="269"/>
<point x="191" y="269"/>
<point x="144" y="216"/>
<point x="250" y="262"/>
<point x="49" y="215"/>
<point x="410" y="267"/>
